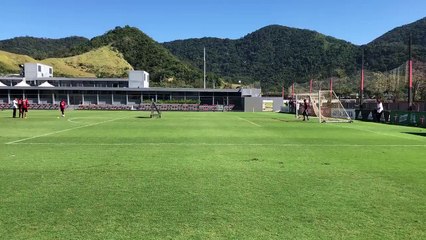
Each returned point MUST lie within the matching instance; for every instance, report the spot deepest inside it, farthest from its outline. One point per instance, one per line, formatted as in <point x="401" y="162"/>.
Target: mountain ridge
<point x="269" y="55"/>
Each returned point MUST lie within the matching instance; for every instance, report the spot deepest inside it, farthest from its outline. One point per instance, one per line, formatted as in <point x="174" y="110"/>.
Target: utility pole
<point x="410" y="75"/>
<point x="361" y="88"/>
<point x="204" y="68"/>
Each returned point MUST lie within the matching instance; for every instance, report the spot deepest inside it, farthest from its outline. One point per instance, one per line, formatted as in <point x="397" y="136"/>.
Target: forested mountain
<point x="271" y="55"/>
<point x="276" y="53"/>
<point x="41" y="48"/>
<point x="137" y="48"/>
<point x="391" y="49"/>
<point x="143" y="53"/>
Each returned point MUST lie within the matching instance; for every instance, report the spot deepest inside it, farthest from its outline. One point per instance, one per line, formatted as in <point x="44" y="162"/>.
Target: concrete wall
<point x="251" y="92"/>
<point x="256" y="104"/>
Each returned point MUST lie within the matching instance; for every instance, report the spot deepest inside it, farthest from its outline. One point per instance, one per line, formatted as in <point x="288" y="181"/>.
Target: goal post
<point x="325" y="105"/>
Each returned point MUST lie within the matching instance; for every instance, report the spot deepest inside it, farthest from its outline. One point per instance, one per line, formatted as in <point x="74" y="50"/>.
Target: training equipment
<point x="155" y="112"/>
<point x="323" y="104"/>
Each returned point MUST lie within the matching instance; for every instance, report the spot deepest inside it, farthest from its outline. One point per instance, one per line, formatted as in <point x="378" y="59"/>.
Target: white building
<point x="138" y="79"/>
<point x="37" y="70"/>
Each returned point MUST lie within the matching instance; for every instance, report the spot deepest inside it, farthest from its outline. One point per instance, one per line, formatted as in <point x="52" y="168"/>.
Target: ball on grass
<point x="58" y="117"/>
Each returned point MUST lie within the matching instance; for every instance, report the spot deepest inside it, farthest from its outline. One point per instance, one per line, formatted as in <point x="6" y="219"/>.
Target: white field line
<point x="249" y="121"/>
<point x="223" y="144"/>
<point x="64" y="130"/>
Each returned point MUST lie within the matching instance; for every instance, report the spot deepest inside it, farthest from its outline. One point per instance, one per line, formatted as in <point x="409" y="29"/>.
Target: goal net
<point x="323" y="104"/>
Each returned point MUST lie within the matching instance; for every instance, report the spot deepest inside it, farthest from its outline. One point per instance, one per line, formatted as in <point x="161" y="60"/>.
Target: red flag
<point x="310" y="87"/>
<point x="292" y="90"/>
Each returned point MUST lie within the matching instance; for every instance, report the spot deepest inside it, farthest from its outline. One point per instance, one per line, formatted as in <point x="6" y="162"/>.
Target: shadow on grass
<point x="421" y="134"/>
<point x="287" y="120"/>
<point x="143" y="117"/>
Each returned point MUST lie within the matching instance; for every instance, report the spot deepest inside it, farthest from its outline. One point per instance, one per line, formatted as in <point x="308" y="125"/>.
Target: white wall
<point x="37" y="70"/>
<point x="138" y="79"/>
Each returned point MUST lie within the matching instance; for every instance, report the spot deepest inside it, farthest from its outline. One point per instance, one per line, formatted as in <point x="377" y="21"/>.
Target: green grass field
<point x="122" y="175"/>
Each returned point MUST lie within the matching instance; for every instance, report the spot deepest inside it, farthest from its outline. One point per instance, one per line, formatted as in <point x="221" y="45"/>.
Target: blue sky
<point x="358" y="22"/>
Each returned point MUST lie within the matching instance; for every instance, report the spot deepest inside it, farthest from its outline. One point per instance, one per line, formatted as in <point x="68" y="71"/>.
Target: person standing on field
<point x="20" y="107"/>
<point x="379" y="109"/>
<point x="62" y="107"/>
<point x="25" y="107"/>
<point x="305" y="110"/>
<point x="14" y="107"/>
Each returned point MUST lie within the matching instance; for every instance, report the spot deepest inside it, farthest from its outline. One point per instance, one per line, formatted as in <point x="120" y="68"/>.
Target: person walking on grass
<point x="305" y="110"/>
<point x="14" y="107"/>
<point x="62" y="107"/>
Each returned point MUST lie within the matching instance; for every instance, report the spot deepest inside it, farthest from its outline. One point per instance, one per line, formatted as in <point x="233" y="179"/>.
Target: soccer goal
<point x="155" y="112"/>
<point x="322" y="104"/>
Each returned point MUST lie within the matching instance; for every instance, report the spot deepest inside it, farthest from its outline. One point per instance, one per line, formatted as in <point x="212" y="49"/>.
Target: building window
<point x="50" y="70"/>
<point x="39" y="68"/>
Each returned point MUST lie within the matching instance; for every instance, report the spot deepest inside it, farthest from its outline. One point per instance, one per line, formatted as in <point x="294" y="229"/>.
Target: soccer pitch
<point x="122" y="175"/>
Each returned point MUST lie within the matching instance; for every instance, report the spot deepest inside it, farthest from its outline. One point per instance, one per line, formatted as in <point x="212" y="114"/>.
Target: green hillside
<point x="277" y="53"/>
<point x="143" y="53"/>
<point x="101" y="62"/>
<point x="391" y="49"/>
<point x="41" y="48"/>
<point x="271" y="55"/>
<point x="9" y="62"/>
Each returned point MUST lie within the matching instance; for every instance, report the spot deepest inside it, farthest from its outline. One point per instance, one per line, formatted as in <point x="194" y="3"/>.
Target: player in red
<point x="305" y="110"/>
<point x="25" y="106"/>
<point x="20" y="107"/>
<point x="62" y="107"/>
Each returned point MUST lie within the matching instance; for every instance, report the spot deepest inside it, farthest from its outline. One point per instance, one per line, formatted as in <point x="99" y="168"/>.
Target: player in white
<point x="379" y="109"/>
